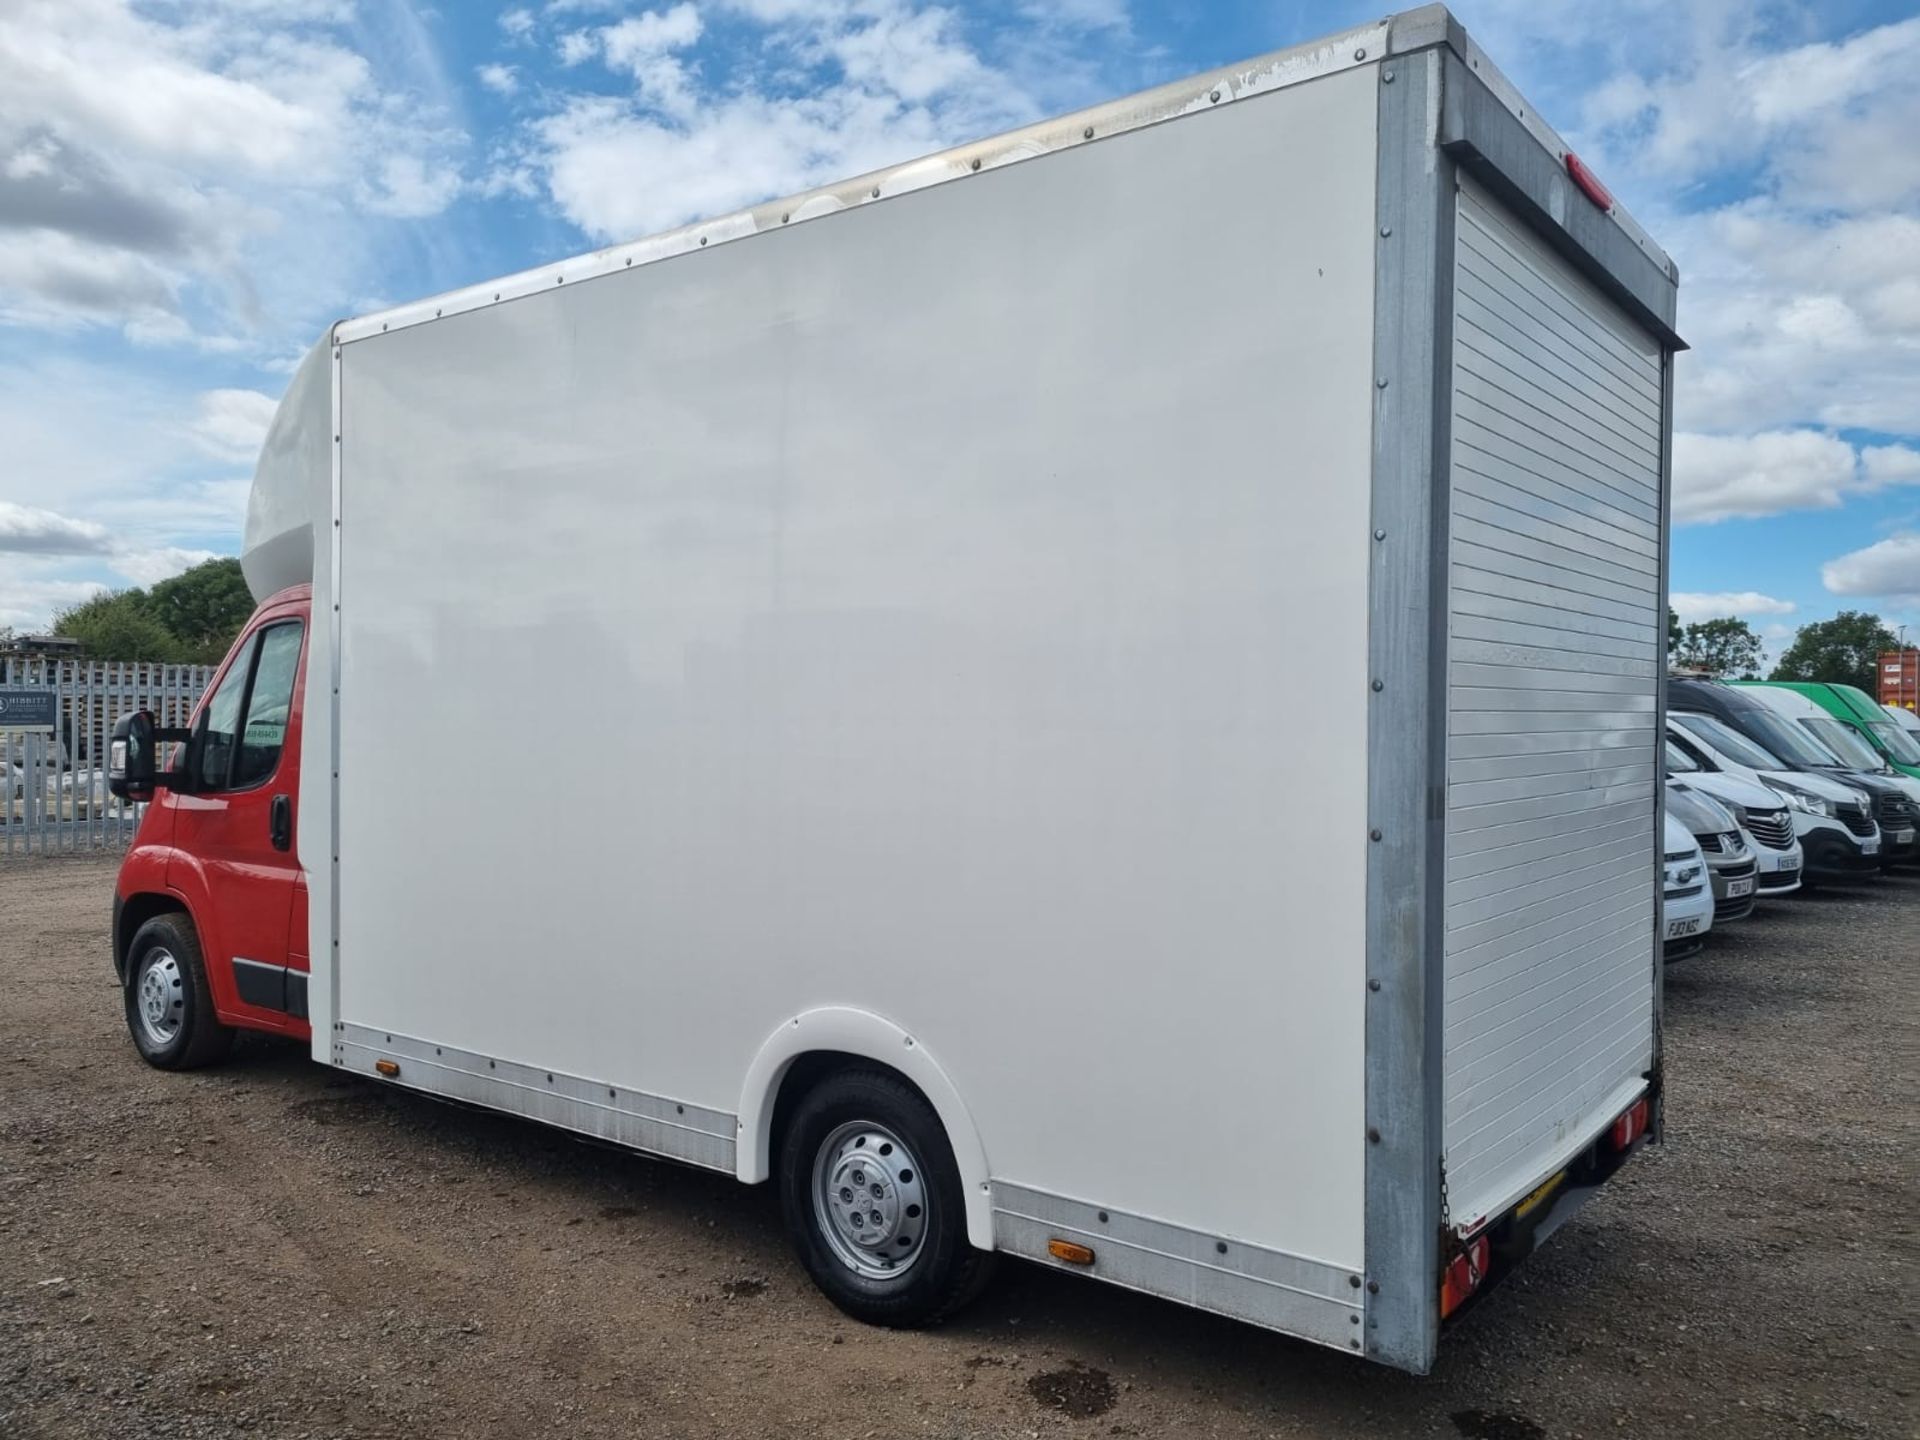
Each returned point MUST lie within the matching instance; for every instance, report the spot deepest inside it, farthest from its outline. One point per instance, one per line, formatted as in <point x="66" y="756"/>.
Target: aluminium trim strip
<point x="631" y="1118"/>
<point x="1291" y="1293"/>
<point x="1277" y="70"/>
<point x="1407" y="662"/>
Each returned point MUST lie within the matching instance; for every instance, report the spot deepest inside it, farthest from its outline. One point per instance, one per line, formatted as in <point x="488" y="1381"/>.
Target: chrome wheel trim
<point x="871" y="1201"/>
<point x="160" y="998"/>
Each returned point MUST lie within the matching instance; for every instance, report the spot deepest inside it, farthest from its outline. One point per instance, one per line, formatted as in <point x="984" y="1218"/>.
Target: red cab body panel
<point x="224" y="849"/>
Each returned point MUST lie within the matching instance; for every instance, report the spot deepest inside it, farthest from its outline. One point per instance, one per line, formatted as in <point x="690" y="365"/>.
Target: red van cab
<point x="210" y="912"/>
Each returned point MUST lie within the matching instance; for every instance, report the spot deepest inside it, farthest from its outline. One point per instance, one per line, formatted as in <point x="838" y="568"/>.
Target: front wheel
<point x="873" y="1202"/>
<point x="169" y="1007"/>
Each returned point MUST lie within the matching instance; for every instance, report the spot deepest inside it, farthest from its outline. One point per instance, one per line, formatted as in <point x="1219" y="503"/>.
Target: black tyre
<point x="873" y="1202"/>
<point x="169" y="1006"/>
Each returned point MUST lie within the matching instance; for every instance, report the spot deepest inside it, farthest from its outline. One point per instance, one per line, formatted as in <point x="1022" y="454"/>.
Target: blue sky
<point x="190" y="190"/>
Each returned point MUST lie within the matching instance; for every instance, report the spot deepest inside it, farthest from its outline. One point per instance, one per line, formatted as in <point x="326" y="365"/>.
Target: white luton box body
<point x="1149" y="626"/>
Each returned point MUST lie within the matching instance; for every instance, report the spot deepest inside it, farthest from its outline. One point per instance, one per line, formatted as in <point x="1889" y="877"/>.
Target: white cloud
<point x="156" y="164"/>
<point x="150" y="567"/>
<point x="232" y="424"/>
<point x="836" y="89"/>
<point x="30" y="597"/>
<point x="27" y="530"/>
<point x="1891" y="464"/>
<point x="1718" y="477"/>
<point x="578" y="46"/>
<point x="1889" y="568"/>
<point x="501" y="79"/>
<point x="1691" y="605"/>
<point x="518" y="23"/>
<point x="408" y="188"/>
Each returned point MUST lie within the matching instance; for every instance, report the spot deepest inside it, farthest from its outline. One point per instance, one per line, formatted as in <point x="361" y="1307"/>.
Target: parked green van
<point x="1853" y="708"/>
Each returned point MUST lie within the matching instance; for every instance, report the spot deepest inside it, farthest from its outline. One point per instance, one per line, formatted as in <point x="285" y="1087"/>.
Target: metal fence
<point x="53" y="786"/>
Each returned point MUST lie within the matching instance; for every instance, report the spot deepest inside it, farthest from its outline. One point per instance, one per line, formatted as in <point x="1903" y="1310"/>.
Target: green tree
<point x="118" y="626"/>
<point x="1721" y="647"/>
<point x="203" y="608"/>
<point x="1674" y="632"/>
<point x="1840" y="651"/>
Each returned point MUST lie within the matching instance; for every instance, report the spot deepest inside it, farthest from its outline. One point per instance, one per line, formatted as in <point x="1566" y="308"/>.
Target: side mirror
<point x="132" y="759"/>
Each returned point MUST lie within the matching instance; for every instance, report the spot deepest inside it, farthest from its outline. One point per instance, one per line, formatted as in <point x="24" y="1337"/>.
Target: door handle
<point x="280" y="822"/>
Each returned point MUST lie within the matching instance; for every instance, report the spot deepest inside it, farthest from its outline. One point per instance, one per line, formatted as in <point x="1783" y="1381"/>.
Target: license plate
<point x="1539" y="1197"/>
<point x="1901" y="837"/>
<point x="1870" y="847"/>
<point x="1680" y="929"/>
<point x="1787" y="864"/>
<point x="1737" y="888"/>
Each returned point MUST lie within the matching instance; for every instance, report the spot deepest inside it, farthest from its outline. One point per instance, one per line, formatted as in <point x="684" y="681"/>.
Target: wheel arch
<point x="136" y="910"/>
<point x="818" y="1041"/>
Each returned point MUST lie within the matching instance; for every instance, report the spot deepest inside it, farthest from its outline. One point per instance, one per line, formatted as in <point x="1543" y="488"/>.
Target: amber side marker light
<point x="388" y="1068"/>
<point x="1071" y="1253"/>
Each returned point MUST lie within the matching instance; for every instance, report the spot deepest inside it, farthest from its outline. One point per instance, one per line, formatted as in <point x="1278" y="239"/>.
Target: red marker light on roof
<point x="1588" y="182"/>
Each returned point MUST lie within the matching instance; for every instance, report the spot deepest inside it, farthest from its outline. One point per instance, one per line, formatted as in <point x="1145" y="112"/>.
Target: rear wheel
<point x="873" y="1201"/>
<point x="169" y="1006"/>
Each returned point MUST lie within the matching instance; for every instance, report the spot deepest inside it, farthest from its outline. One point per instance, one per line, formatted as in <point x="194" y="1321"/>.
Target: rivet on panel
<point x="703" y="239"/>
<point x="438" y="313"/>
<point x="629" y="261"/>
<point x="1373" y="1287"/>
<point x="785" y="218"/>
<point x="1353" y="1319"/>
<point x="1220" y="1246"/>
<point x="496" y="295"/>
<point x="1373" y="985"/>
<point x="1378" y="686"/>
<point x="1373" y="1134"/>
<point x="1354" y="1281"/>
<point x="1373" y="834"/>
<point x="876" y="192"/>
<point x="1353" y="1344"/>
<point x="1214" y="96"/>
<point x="1087" y="134"/>
<point x="1361" y="53"/>
<point x="383" y="325"/>
<point x="976" y="164"/>
<point x="1386" y="77"/>
<point x="1385" y="231"/>
<point x="1379" y="534"/>
<point x="1381" y="382"/>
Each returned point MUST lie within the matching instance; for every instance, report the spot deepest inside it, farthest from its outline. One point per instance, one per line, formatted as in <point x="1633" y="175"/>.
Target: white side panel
<point x="927" y="610"/>
<point x="1556" y="627"/>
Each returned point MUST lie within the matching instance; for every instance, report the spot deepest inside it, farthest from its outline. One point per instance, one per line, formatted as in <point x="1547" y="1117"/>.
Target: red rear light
<point x="1463" y="1275"/>
<point x="1630" y="1126"/>
<point x="1588" y="182"/>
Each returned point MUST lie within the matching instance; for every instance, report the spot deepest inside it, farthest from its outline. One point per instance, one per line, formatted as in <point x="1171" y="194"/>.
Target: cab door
<point x="233" y="856"/>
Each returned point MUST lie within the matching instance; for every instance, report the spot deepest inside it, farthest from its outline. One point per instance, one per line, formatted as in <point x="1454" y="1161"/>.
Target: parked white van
<point x="1831" y="850"/>
<point x="1688" y="895"/>
<point x="1765" y="819"/>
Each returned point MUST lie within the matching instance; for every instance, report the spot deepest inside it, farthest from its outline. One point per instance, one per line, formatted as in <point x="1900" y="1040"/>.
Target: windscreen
<point x="1731" y="744"/>
<point x="1787" y="740"/>
<point x="1678" y="761"/>
<point x="1843" y="742"/>
<point x="1899" y="744"/>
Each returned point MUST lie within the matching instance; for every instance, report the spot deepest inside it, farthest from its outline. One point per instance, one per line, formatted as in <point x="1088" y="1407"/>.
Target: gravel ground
<point x="269" y="1248"/>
